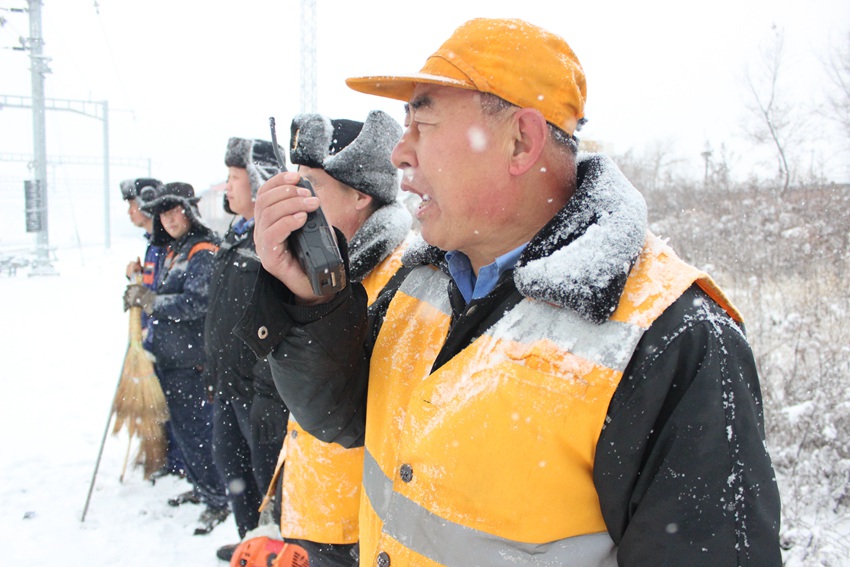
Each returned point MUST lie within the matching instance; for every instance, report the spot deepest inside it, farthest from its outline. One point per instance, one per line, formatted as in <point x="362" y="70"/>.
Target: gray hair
<point x="493" y="105"/>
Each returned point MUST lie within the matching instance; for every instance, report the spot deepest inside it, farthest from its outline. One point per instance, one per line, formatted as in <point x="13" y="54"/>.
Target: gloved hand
<point x="137" y="295"/>
<point x="134" y="268"/>
<point x="268" y="419"/>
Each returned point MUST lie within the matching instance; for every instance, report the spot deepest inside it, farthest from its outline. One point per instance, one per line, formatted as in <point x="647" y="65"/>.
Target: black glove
<point x="137" y="295"/>
<point x="268" y="419"/>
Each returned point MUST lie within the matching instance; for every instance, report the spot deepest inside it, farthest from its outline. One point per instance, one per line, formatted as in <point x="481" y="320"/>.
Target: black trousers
<point x="192" y="428"/>
<point x="246" y="464"/>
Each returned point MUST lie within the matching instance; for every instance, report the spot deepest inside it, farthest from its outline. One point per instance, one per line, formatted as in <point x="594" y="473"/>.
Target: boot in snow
<point x="210" y="518"/>
<point x="225" y="552"/>
<point x="180" y="499"/>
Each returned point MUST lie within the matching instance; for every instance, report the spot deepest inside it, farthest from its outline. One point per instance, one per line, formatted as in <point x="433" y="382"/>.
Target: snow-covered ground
<point x="63" y="341"/>
<point x="63" y="344"/>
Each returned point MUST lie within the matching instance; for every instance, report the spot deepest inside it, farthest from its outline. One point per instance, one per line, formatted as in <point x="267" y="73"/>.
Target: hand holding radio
<point x="294" y="241"/>
<point x="280" y="209"/>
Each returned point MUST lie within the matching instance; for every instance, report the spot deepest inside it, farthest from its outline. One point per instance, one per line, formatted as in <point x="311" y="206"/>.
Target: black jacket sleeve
<point x="263" y="381"/>
<point x="681" y="468"/>
<point x="317" y="357"/>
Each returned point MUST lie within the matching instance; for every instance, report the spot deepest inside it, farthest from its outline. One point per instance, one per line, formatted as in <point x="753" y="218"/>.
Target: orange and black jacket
<point x="181" y="302"/>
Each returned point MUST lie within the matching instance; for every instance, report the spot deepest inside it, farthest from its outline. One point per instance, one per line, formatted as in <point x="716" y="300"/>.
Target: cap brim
<point x="401" y="87"/>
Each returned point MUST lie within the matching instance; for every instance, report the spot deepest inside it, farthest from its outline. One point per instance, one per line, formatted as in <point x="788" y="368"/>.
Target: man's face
<point x="238" y="190"/>
<point x="137" y="217"/>
<point x="456" y="159"/>
<point x="175" y="222"/>
<point x="339" y="201"/>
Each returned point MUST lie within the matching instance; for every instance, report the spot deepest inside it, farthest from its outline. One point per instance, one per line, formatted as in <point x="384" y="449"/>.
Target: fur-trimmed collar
<point x="382" y="232"/>
<point x="582" y="257"/>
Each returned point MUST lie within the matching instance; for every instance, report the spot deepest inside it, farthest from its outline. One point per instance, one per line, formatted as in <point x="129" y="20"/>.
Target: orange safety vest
<point x="321" y="481"/>
<point x="489" y="459"/>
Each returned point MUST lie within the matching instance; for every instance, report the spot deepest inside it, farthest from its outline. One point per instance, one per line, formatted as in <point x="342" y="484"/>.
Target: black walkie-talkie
<point x="314" y="243"/>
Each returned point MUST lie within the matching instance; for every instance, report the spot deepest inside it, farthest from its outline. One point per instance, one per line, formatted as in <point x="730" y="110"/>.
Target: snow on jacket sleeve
<point x="681" y="468"/>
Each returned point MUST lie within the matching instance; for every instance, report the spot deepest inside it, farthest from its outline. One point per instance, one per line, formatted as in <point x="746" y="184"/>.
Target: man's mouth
<point x="424" y="201"/>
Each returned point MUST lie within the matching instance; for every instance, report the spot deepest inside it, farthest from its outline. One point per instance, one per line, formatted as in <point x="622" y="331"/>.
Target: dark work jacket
<point x="232" y="368"/>
<point x="681" y="469"/>
<point x="154" y="257"/>
<point x="181" y="302"/>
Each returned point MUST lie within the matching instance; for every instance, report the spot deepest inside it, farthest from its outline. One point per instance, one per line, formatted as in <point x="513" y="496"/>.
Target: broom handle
<point x="126" y="458"/>
<point x="136" y="316"/>
<point x="100" y="452"/>
<point x="135" y="323"/>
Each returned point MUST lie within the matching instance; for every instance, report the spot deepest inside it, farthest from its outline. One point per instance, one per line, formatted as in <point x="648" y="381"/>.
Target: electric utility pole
<point x="37" y="194"/>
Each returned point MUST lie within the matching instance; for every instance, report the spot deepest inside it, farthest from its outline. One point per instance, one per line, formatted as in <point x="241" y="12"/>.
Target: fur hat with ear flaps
<point x="354" y="153"/>
<point x="128" y="190"/>
<point x="132" y="188"/>
<point x="256" y="156"/>
<point x="159" y="199"/>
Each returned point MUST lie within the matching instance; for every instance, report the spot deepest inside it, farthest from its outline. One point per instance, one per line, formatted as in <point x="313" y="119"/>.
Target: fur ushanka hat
<point x="256" y="156"/>
<point x="354" y="153"/>
<point x="132" y="188"/>
<point x="162" y="198"/>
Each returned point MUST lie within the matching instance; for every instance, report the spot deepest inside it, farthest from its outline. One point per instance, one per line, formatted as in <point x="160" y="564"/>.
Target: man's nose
<point x="403" y="155"/>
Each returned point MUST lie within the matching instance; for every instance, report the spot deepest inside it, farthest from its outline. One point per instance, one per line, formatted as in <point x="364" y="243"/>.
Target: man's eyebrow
<point x="422" y="101"/>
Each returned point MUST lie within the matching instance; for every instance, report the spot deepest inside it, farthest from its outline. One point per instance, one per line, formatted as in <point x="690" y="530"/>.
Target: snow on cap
<point x="512" y="59"/>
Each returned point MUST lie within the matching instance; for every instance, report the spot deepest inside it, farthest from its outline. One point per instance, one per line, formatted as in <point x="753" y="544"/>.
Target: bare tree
<point x="773" y="115"/>
<point x="837" y="67"/>
<point x="653" y="168"/>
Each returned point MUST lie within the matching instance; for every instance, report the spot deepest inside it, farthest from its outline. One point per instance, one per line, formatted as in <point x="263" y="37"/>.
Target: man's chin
<point x="434" y="238"/>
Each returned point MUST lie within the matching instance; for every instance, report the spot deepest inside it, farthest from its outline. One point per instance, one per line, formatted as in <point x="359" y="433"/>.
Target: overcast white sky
<point x="182" y="76"/>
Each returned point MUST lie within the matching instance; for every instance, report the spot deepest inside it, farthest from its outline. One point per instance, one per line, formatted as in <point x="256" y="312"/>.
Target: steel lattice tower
<point x="308" y="100"/>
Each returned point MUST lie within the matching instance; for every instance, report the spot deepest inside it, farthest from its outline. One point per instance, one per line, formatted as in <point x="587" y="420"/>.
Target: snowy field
<point x="63" y="342"/>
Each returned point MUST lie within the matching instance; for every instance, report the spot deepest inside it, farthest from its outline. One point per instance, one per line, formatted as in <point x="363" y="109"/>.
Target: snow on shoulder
<point x="582" y="258"/>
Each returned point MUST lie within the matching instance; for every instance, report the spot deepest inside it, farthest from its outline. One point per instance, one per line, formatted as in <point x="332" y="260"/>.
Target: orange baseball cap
<point x="512" y="59"/>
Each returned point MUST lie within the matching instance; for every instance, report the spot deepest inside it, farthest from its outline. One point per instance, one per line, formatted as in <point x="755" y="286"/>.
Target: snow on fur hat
<point x="354" y="153"/>
<point x="132" y="188"/>
<point x="128" y="190"/>
<point x="256" y="156"/>
<point x="162" y="198"/>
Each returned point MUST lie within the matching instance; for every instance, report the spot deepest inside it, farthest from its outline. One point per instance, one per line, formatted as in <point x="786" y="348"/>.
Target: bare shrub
<point x="783" y="258"/>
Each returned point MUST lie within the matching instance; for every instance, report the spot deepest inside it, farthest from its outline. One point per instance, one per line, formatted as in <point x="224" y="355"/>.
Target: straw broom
<point x="139" y="403"/>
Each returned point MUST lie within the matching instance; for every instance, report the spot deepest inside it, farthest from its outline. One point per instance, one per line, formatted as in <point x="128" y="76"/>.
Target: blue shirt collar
<point x="471" y="287"/>
<point x="242" y="226"/>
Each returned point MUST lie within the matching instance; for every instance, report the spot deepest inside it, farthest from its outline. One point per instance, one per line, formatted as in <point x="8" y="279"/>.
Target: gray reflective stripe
<point x="429" y="286"/>
<point x="610" y="344"/>
<point x="455" y="545"/>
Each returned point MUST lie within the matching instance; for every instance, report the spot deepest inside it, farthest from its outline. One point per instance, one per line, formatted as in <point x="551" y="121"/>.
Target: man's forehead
<point x="426" y="95"/>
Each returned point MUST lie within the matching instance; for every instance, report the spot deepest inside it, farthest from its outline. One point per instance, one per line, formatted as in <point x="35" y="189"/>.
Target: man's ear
<point x="530" y="134"/>
<point x="363" y="201"/>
